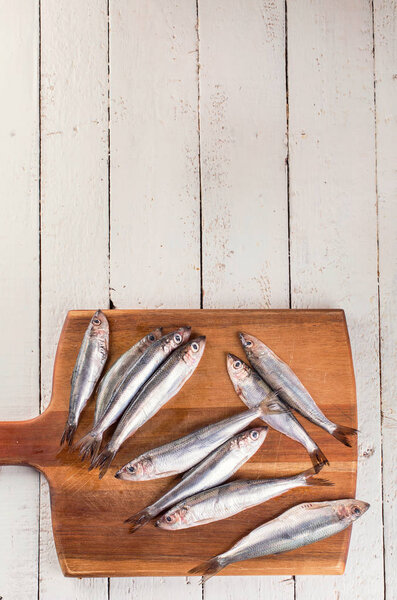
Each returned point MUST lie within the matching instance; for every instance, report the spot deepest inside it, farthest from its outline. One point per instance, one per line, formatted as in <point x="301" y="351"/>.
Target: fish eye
<point x="248" y="343"/>
<point x="151" y="337"/>
<point x="177" y="338"/>
<point x="96" y="321"/>
<point x="254" y="435"/>
<point x="356" y="510"/>
<point x="195" y="346"/>
<point x="237" y="364"/>
<point x="169" y="519"/>
<point x="131" y="469"/>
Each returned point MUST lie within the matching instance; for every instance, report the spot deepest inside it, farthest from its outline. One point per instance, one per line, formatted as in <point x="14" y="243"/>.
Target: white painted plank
<point x="334" y="233"/>
<point x="385" y="19"/>
<point x="244" y="185"/>
<point x="155" y="210"/>
<point x="19" y="277"/>
<point x="243" y="151"/>
<point x="155" y="230"/>
<point x="74" y="209"/>
<point x="155" y="588"/>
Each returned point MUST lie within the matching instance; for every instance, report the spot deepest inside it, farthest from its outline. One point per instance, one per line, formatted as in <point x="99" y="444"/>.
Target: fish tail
<point x="209" y="568"/>
<point x="341" y="432"/>
<point x="139" y="519"/>
<point x="318" y="458"/>
<point x="103" y="461"/>
<point x="68" y="433"/>
<point x="89" y="445"/>
<point x="308" y="477"/>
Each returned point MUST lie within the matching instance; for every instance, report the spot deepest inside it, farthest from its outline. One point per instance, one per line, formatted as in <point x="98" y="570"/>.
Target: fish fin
<point x="209" y="568"/>
<point x="318" y="458"/>
<point x="103" y="461"/>
<point x="68" y="434"/>
<point x="241" y="396"/>
<point x="139" y="519"/>
<point x="308" y="477"/>
<point x="89" y="445"/>
<point x="341" y="432"/>
<point x="272" y="405"/>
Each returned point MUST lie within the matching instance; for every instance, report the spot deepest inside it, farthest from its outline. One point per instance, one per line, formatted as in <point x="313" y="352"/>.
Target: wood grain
<point x="74" y="210"/>
<point x="385" y="22"/>
<point x="19" y="276"/>
<point x="243" y="154"/>
<point x="244" y="182"/>
<point x="88" y="514"/>
<point x="155" y="203"/>
<point x="333" y="231"/>
<point x="155" y="190"/>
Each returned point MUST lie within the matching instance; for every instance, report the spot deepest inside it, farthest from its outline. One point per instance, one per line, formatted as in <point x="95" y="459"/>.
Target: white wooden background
<point x="218" y="153"/>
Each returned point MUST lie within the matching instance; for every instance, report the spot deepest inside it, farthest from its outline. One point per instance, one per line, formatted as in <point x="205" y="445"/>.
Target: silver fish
<point x="182" y="454"/>
<point x="299" y="526"/>
<point x="142" y="370"/>
<point x="119" y="370"/>
<point x="87" y="370"/>
<point x="215" y="469"/>
<point x="163" y="385"/>
<point x="229" y="499"/>
<point x="283" y="380"/>
<point x="112" y="380"/>
<point x="252" y="390"/>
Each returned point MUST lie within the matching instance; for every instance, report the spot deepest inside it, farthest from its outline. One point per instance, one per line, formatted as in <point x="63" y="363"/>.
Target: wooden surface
<point x="88" y="513"/>
<point x="19" y="269"/>
<point x="330" y="69"/>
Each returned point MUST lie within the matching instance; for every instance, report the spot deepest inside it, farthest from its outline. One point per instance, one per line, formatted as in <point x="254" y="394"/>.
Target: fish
<point x="119" y="370"/>
<point x="299" y="526"/>
<point x="136" y="377"/>
<point x="213" y="470"/>
<point x="226" y="500"/>
<point x="182" y="454"/>
<point x="281" y="378"/>
<point x="109" y="384"/>
<point x="90" y="361"/>
<point x="252" y="390"/>
<point x="163" y="385"/>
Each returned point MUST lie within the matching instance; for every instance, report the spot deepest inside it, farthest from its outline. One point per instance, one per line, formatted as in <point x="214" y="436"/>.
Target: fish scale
<point x="281" y="378"/>
<point x="163" y="385"/>
<point x="299" y="526"/>
<point x="252" y="390"/>
<point x="226" y="500"/>
<point x="182" y="454"/>
<point x="119" y="370"/>
<point x="136" y="377"/>
<point x="88" y="368"/>
<point x="221" y="464"/>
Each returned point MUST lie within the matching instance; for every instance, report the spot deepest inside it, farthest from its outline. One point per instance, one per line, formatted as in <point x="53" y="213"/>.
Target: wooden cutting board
<point x="88" y="514"/>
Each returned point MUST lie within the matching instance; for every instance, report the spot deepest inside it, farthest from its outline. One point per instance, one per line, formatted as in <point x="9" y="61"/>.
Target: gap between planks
<point x="378" y="293"/>
<point x="40" y="287"/>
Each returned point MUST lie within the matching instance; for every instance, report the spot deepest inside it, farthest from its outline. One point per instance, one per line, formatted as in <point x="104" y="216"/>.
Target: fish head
<point x="176" y="338"/>
<point x="350" y="509"/>
<point x="139" y="469"/>
<point x="238" y="370"/>
<point x="252" y="439"/>
<point x="193" y="350"/>
<point x="152" y="337"/>
<point x="175" y="518"/>
<point x="99" y="325"/>
<point x="252" y="346"/>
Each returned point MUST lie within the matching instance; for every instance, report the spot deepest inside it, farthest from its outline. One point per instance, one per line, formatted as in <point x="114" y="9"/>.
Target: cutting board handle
<point x="20" y="441"/>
